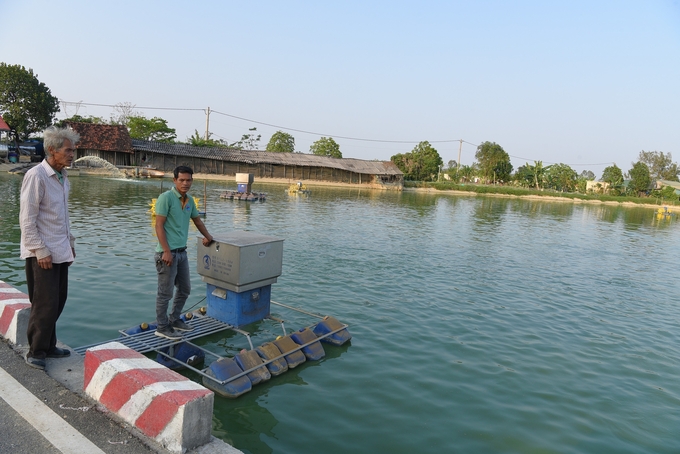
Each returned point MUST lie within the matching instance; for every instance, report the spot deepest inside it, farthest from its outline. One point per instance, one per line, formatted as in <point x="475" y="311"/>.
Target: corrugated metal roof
<point x="673" y="184"/>
<point x="266" y="157"/>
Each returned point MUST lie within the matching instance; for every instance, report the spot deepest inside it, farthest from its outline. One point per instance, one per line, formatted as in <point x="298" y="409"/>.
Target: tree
<point x="639" y="178"/>
<point x="467" y="173"/>
<point x="122" y="113"/>
<point x="666" y="193"/>
<point x="588" y="175"/>
<point x="524" y="176"/>
<point x="155" y="129"/>
<point x="78" y="119"/>
<point x="532" y="175"/>
<point x="248" y="141"/>
<point x="661" y="166"/>
<point x="281" y="142"/>
<point x="451" y="169"/>
<point x="429" y="160"/>
<point x="421" y="164"/>
<point x="326" y="146"/>
<point x="494" y="162"/>
<point x="561" y="177"/>
<point x="582" y="184"/>
<point x="614" y="177"/>
<point x="404" y="163"/>
<point x="26" y="104"/>
<point x="452" y="174"/>
<point x="198" y="140"/>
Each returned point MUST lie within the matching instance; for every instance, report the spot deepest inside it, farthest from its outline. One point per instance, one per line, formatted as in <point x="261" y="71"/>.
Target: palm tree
<point x="466" y="173"/>
<point x="538" y="171"/>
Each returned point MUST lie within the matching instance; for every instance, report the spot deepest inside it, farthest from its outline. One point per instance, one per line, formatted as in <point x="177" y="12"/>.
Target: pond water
<point x="480" y="324"/>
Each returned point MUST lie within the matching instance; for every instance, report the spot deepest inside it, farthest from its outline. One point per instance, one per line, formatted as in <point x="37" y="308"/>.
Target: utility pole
<point x="207" y="124"/>
<point x="460" y="148"/>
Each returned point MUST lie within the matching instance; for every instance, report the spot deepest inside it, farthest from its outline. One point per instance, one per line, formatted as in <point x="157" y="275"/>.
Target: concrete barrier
<point x="161" y="403"/>
<point x="15" y="308"/>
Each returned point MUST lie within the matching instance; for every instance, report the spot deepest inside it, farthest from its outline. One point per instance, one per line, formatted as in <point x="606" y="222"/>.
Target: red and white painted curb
<point x="15" y="308"/>
<point x="164" y="405"/>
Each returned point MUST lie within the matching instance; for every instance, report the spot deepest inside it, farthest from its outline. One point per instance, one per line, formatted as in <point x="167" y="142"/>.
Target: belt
<point x="182" y="249"/>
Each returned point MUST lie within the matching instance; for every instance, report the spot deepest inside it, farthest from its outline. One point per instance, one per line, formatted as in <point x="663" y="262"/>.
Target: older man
<point x="47" y="243"/>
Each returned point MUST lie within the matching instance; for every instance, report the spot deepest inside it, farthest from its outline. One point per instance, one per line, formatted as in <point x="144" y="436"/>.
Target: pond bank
<point x="288" y="181"/>
<point x="538" y="197"/>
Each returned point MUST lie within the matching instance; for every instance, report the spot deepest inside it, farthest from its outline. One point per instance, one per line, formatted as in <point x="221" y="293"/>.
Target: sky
<point x="588" y="83"/>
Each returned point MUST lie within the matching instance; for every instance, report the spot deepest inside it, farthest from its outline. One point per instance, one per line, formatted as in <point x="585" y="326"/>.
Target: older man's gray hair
<point x="55" y="137"/>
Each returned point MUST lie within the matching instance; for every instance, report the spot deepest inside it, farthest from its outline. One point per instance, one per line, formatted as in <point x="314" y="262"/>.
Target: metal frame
<point x="147" y="341"/>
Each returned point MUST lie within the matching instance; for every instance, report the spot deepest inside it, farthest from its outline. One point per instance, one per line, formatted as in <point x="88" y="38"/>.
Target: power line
<point x="275" y="126"/>
<point x="134" y="107"/>
<point x="269" y="124"/>
<point x="332" y="135"/>
<point x="549" y="162"/>
<point x="311" y="132"/>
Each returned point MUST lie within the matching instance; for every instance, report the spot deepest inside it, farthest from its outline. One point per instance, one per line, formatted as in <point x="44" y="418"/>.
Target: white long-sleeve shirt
<point x="43" y="215"/>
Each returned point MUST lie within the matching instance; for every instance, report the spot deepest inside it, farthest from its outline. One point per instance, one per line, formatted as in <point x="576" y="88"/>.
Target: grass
<point x="517" y="191"/>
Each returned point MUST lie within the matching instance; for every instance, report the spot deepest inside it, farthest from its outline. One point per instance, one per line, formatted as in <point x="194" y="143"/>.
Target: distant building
<point x="113" y="144"/>
<point x="597" y="186"/>
<point x="265" y="164"/>
<point x="3" y="125"/>
<point x="4" y="128"/>
<point x="674" y="184"/>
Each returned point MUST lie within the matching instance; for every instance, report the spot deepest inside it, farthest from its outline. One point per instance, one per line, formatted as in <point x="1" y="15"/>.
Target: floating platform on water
<point x="298" y="188"/>
<point x="238" y="295"/>
<point x="20" y="169"/>
<point x="233" y="376"/>
<point x="246" y="196"/>
<point x="666" y="214"/>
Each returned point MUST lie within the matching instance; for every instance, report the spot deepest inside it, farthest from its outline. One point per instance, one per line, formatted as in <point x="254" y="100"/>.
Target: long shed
<point x="264" y="164"/>
<point x="113" y="144"/>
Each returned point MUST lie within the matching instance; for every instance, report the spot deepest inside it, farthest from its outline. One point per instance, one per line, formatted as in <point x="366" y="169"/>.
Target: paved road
<point x="18" y="435"/>
<point x="40" y="414"/>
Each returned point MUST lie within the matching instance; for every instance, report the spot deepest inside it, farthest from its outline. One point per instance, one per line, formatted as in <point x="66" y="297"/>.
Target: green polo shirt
<point x="169" y="204"/>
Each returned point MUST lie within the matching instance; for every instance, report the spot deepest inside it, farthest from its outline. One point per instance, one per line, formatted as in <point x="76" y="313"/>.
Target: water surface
<point x="480" y="324"/>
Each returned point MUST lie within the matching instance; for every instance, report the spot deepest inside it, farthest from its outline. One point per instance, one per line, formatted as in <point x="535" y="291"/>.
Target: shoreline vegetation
<point x="448" y="188"/>
<point x="525" y="193"/>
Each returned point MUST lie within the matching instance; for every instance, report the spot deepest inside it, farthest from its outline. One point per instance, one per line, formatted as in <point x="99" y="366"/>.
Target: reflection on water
<point x="480" y="324"/>
<point x="11" y="268"/>
<point x="241" y="216"/>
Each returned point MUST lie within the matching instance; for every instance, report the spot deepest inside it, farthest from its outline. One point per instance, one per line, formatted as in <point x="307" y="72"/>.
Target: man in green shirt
<point x="174" y="208"/>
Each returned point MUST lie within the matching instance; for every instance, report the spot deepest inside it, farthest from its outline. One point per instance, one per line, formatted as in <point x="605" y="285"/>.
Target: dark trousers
<point x="47" y="291"/>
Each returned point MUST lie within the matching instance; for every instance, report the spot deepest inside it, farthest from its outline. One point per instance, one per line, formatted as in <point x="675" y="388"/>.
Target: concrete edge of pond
<point x="63" y="381"/>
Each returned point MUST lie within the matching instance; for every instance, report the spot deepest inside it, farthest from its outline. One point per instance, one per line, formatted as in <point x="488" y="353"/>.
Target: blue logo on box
<point x="206" y="262"/>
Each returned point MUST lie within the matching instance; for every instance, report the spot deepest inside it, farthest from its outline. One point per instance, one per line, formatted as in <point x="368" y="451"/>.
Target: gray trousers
<point x="175" y="276"/>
